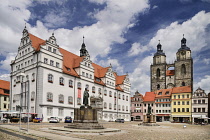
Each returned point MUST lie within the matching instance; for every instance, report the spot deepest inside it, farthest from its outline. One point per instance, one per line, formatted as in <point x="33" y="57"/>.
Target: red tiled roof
<point x="119" y="88"/>
<point x="183" y="89"/>
<point x="163" y="91"/>
<point x="2" y="92"/>
<point x="36" y="42"/>
<point x="149" y="96"/>
<point x="120" y="79"/>
<point x="4" y="84"/>
<point x="170" y="72"/>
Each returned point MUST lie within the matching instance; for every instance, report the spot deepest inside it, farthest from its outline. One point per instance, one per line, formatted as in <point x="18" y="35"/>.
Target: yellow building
<point x="181" y="104"/>
<point x="4" y="95"/>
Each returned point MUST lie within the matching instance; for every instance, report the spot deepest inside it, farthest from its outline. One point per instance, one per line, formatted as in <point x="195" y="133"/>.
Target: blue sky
<point x="123" y="33"/>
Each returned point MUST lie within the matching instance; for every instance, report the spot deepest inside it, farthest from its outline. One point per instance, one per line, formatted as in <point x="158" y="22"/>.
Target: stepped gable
<point x="166" y="93"/>
<point x="71" y="61"/>
<point x="149" y="97"/>
<point x="182" y="89"/>
<point x="170" y="72"/>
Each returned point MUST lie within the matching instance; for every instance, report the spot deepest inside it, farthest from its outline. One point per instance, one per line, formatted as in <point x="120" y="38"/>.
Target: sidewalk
<point x="50" y="136"/>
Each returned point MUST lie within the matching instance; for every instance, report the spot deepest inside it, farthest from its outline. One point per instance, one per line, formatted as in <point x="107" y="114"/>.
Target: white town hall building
<point x="53" y="81"/>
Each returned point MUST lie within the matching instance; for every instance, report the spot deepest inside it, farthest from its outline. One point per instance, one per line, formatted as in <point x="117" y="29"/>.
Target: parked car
<point x="120" y="120"/>
<point x="37" y="120"/>
<point x="54" y="120"/>
<point x="68" y="119"/>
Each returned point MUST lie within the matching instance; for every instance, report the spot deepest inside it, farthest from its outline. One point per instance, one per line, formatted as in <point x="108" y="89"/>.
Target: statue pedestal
<point x="85" y="118"/>
<point x="149" y="120"/>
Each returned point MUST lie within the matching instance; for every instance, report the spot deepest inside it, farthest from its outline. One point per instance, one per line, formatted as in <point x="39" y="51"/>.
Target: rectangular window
<point x="187" y="110"/>
<point x="203" y="101"/>
<point x="54" y="50"/>
<point x="5" y="105"/>
<point x="188" y="96"/>
<point x="174" y="103"/>
<point x="174" y="96"/>
<point x="159" y="111"/>
<point x="156" y="111"/>
<point x="199" y="110"/>
<point x="51" y="62"/>
<point x="178" y="109"/>
<point x="49" y="49"/>
<point x="60" y="112"/>
<point x="5" y="98"/>
<point x="194" y="109"/>
<point x="183" y="109"/>
<point x="45" y="60"/>
<point x="203" y="109"/>
<point x="182" y="96"/>
<point x="195" y="101"/>
<point x="57" y="64"/>
<point x="183" y="103"/>
<point x="178" y="96"/>
<point x="188" y="103"/>
<point x="199" y="101"/>
<point x="174" y="109"/>
<point x="178" y="102"/>
<point x="49" y="111"/>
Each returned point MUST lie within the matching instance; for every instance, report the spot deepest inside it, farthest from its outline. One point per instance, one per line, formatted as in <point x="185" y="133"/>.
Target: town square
<point x="103" y="69"/>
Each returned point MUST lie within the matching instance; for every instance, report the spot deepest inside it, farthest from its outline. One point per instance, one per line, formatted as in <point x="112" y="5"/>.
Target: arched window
<point x="49" y="97"/>
<point x="32" y="96"/>
<point x="87" y="87"/>
<point x="110" y="106"/>
<point x="123" y="97"/>
<point x="70" y="100"/>
<point x="183" y="83"/>
<point x="123" y="108"/>
<point x="105" y="92"/>
<point x="50" y="78"/>
<point x="126" y="98"/>
<point x="158" y="73"/>
<point x="118" y="107"/>
<point x="70" y="83"/>
<point x="126" y="108"/>
<point x="33" y="77"/>
<point x="115" y="94"/>
<point x="105" y="105"/>
<point x="61" y="81"/>
<point x="158" y="86"/>
<point x="99" y="91"/>
<point x="119" y="96"/>
<point x="61" y="98"/>
<point x="79" y="85"/>
<point x="183" y="69"/>
<point x="110" y="94"/>
<point x="93" y="89"/>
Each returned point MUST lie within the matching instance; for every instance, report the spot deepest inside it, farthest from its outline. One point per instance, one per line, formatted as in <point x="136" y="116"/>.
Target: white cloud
<point x="203" y="83"/>
<point x="115" y="65"/>
<point x="206" y="61"/>
<point x="154" y="7"/>
<point x="5" y="64"/>
<point x="136" y="49"/>
<point x="5" y="77"/>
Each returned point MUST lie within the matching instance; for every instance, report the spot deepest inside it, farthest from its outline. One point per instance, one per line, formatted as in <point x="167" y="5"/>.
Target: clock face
<point x="183" y="52"/>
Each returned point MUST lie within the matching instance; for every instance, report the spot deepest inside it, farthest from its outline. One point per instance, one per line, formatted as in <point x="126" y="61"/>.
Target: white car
<point x="54" y="120"/>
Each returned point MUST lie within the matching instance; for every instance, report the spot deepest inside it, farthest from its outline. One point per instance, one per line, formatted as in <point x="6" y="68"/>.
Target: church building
<point x="48" y="80"/>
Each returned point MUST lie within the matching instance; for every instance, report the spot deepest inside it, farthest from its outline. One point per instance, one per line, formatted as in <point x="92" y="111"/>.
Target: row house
<point x="199" y="106"/>
<point x="50" y="81"/>
<point x="4" y="95"/>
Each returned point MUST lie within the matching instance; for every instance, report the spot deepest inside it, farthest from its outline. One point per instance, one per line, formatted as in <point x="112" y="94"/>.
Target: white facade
<point x="55" y="92"/>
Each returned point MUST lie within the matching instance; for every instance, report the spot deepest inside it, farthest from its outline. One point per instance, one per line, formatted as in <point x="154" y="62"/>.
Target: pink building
<point x="137" y="107"/>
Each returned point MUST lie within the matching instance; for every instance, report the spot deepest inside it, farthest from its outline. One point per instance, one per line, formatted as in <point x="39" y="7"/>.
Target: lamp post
<point x="27" y="95"/>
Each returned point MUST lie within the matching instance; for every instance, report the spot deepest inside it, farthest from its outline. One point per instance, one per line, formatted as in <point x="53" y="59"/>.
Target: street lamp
<point x="27" y="95"/>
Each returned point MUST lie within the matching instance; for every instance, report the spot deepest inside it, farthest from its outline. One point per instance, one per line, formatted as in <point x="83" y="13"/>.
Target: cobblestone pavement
<point x="131" y="131"/>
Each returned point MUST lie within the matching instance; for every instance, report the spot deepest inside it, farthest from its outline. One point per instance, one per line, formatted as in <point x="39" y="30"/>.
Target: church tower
<point x="184" y="66"/>
<point x="158" y="70"/>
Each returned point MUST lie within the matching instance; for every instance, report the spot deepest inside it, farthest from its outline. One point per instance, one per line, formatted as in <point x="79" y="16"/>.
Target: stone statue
<point x="149" y="109"/>
<point x="85" y="97"/>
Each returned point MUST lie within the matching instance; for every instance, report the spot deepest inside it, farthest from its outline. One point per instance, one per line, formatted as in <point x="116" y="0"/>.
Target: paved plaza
<point x="129" y="131"/>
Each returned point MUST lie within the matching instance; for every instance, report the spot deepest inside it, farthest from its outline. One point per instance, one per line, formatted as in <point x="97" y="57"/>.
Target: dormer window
<point x="50" y="49"/>
<point x="167" y="92"/>
<point x="160" y="93"/>
<point x="54" y="50"/>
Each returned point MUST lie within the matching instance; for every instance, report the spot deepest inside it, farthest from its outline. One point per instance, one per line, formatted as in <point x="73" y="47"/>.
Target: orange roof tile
<point x="182" y="89"/>
<point x="170" y="72"/>
<point x="163" y="91"/>
<point x="36" y="42"/>
<point x="120" y="79"/>
<point x="149" y="96"/>
<point x="4" y="84"/>
<point x="118" y="88"/>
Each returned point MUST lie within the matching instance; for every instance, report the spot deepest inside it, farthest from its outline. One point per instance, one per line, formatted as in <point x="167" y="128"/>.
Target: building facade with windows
<point x="149" y="99"/>
<point x="57" y="79"/>
<point x="199" y="106"/>
<point x="4" y="95"/>
<point x="163" y="104"/>
<point x="137" y="107"/>
<point x="177" y="74"/>
<point x="181" y="104"/>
